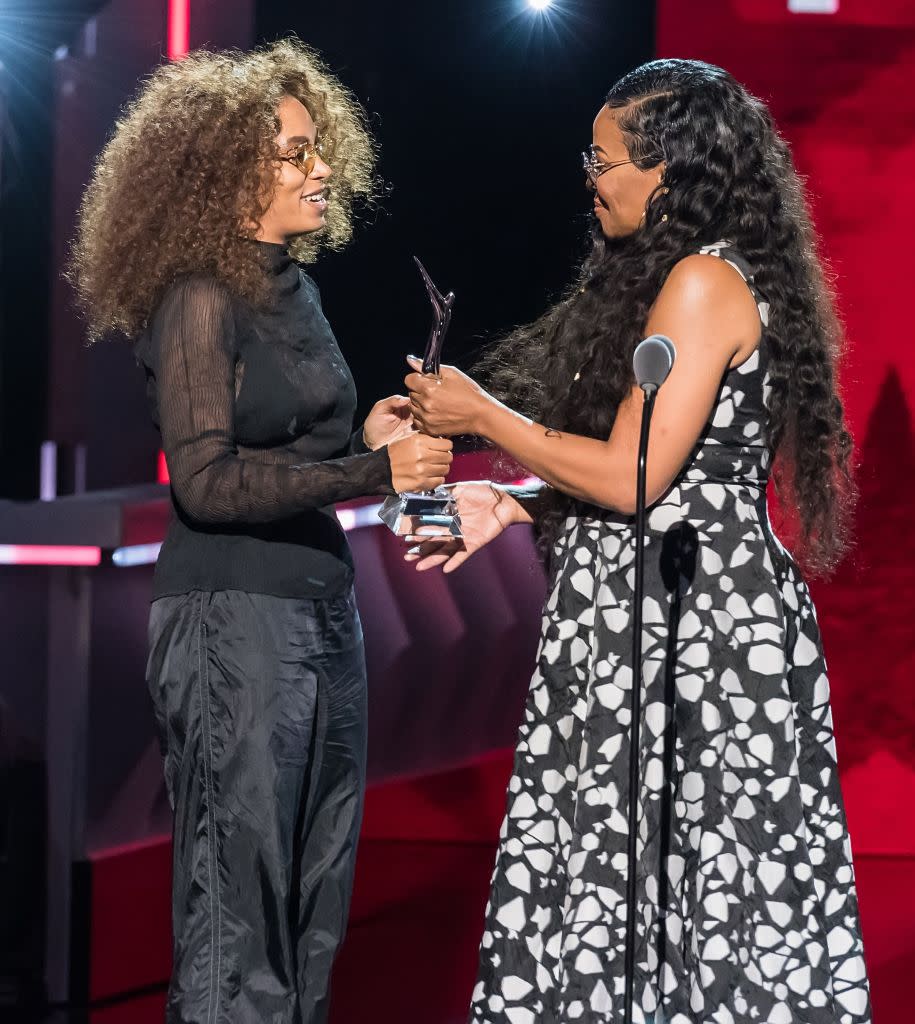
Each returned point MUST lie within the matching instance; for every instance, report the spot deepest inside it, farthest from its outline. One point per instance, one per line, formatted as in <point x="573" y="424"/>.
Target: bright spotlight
<point x="540" y="5"/>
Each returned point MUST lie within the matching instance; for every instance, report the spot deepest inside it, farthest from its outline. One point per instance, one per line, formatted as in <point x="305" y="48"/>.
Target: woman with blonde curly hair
<point x="226" y="171"/>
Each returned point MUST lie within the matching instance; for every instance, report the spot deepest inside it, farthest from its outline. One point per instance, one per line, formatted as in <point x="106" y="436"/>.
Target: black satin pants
<point x="261" y="708"/>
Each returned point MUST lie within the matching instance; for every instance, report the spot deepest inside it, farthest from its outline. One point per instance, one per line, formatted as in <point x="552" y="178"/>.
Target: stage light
<point x="135" y="554"/>
<point x="179" y="20"/>
<point x="359" y="517"/>
<point x="540" y="5"/>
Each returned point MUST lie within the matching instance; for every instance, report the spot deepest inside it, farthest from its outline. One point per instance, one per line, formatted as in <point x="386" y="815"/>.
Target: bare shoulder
<point x="705" y="295"/>
<point x="703" y="277"/>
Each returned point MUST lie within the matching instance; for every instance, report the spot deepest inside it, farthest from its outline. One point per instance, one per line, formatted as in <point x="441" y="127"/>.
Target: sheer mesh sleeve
<point x="192" y="351"/>
<point x="284" y="457"/>
<point x="357" y="445"/>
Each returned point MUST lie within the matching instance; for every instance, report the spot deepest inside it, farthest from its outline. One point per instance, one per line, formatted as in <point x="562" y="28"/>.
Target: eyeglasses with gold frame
<point x="303" y="156"/>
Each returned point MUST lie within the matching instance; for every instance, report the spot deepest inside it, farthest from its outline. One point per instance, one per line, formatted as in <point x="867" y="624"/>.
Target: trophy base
<point x="405" y="513"/>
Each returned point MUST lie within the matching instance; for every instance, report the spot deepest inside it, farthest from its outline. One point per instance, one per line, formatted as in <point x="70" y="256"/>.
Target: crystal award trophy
<point x="406" y="513"/>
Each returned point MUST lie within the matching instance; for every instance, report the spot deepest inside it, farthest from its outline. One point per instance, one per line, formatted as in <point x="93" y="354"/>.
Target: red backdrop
<point x="842" y="88"/>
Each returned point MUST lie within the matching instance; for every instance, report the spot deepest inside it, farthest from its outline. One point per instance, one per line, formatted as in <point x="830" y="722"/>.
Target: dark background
<point x="481" y="108"/>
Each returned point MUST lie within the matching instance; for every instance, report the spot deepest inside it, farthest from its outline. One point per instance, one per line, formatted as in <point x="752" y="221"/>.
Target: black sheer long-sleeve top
<point x="255" y="408"/>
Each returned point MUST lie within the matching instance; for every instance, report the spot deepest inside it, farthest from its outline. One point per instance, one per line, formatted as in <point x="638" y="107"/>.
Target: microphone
<point x="652" y="362"/>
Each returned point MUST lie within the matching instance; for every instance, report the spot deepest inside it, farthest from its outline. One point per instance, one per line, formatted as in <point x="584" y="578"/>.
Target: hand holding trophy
<point x="405" y="513"/>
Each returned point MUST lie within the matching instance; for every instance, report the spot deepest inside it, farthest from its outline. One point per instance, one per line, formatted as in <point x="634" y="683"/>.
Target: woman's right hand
<point x="419" y="462"/>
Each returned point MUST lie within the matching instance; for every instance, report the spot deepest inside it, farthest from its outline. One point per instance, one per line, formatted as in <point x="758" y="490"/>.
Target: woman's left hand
<point x="389" y="420"/>
<point x="485" y="508"/>
<point x="446" y="405"/>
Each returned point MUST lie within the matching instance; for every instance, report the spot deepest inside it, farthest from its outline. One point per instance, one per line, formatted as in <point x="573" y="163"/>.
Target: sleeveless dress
<point x="747" y="908"/>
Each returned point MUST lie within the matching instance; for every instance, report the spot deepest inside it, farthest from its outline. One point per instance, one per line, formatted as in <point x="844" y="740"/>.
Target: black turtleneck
<point x="255" y="408"/>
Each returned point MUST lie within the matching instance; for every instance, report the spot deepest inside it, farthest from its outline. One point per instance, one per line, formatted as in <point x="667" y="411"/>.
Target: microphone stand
<point x="650" y="390"/>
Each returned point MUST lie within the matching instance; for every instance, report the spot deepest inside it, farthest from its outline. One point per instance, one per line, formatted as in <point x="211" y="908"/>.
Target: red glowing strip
<point x="48" y="554"/>
<point x="179" y="28"/>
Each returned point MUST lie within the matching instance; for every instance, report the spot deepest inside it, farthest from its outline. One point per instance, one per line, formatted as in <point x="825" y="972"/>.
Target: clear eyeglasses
<point x="595" y="167"/>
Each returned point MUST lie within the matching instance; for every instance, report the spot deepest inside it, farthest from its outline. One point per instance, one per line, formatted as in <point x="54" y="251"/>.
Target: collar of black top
<point x="277" y="254"/>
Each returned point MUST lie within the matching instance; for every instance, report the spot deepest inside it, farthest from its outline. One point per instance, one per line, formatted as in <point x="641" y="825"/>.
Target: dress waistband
<point x="730" y="464"/>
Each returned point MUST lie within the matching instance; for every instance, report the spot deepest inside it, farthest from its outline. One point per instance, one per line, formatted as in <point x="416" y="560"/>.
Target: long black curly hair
<point x="728" y="175"/>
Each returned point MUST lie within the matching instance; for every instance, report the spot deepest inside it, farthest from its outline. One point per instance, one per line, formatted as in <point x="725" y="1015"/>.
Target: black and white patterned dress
<point x="747" y="903"/>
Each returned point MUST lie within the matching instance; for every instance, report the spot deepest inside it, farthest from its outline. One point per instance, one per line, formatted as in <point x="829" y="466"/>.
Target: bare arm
<point x="708" y="311"/>
<point x="527" y="500"/>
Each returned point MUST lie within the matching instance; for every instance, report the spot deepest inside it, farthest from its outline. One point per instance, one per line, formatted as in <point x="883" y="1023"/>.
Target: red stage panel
<point x="829" y="12"/>
<point x="842" y="88"/>
<point x="845" y="98"/>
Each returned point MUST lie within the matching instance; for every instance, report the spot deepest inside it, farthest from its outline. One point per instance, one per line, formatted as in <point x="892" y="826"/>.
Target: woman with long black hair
<point x="225" y="172"/>
<point x="747" y="908"/>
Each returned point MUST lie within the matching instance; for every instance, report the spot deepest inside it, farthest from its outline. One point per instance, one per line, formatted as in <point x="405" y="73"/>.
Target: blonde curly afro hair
<point x="190" y="167"/>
